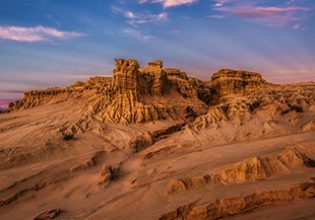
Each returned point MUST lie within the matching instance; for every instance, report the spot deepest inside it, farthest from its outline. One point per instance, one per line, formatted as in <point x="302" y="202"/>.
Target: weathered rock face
<point x="126" y="76"/>
<point x="236" y="205"/>
<point x="38" y="97"/>
<point x="230" y="82"/>
<point x="93" y="82"/>
<point x="55" y="95"/>
<point x="134" y="89"/>
<point x="260" y="168"/>
<point x="188" y="87"/>
<point x="236" y="112"/>
<point x="154" y="79"/>
<point x="107" y="174"/>
<point x="248" y="170"/>
<point x="140" y="94"/>
<point x="156" y="64"/>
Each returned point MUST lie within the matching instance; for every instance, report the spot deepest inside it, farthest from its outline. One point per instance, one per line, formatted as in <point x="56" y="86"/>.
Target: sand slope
<point x="157" y="144"/>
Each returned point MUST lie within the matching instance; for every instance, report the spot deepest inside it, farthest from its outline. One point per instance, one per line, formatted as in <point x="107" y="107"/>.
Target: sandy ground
<point x="40" y="171"/>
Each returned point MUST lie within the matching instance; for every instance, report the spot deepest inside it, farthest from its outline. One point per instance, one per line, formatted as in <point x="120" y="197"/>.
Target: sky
<point x="46" y="43"/>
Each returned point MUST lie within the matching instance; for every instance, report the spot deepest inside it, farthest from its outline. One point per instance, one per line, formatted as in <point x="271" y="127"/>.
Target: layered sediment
<point x="153" y="142"/>
<point x="130" y="96"/>
<point x="237" y="205"/>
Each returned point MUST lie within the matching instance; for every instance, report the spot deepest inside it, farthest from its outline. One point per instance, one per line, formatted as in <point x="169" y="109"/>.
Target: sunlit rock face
<point x="136" y="94"/>
<point x="126" y="76"/>
<point x="137" y="91"/>
<point x="154" y="78"/>
<point x="235" y="82"/>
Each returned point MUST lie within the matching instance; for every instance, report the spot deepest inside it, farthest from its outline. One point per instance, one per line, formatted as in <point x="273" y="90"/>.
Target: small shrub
<point x="68" y="137"/>
<point x="225" y="109"/>
<point x="309" y="163"/>
<point x="291" y="108"/>
<point x="296" y="108"/>
<point x="190" y="113"/>
<point x="254" y="106"/>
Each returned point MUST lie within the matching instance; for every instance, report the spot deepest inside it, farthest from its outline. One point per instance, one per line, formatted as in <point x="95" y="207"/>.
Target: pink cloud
<point x="273" y="16"/>
<point x="4" y="103"/>
<point x="34" y="34"/>
<point x="170" y="3"/>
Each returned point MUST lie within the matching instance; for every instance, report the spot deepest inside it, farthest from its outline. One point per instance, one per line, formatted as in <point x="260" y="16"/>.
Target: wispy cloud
<point x="216" y="16"/>
<point x="137" y="34"/>
<point x="273" y="16"/>
<point x="17" y="91"/>
<point x="265" y="12"/>
<point x="135" y="19"/>
<point x="35" y="34"/>
<point x="169" y="3"/>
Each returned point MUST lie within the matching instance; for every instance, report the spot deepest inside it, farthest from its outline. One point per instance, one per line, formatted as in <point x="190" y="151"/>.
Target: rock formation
<point x="126" y="77"/>
<point x="131" y="95"/>
<point x="153" y="93"/>
<point x="236" y="205"/>
<point x="236" y="112"/>
<point x="152" y="142"/>
<point x="107" y="174"/>
<point x="155" y="78"/>
<point x="126" y="96"/>
<point x="232" y="82"/>
<point x="249" y="170"/>
<point x="260" y="168"/>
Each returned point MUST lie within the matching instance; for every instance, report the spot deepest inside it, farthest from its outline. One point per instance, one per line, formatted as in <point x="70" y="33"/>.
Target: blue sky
<point x="55" y="42"/>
